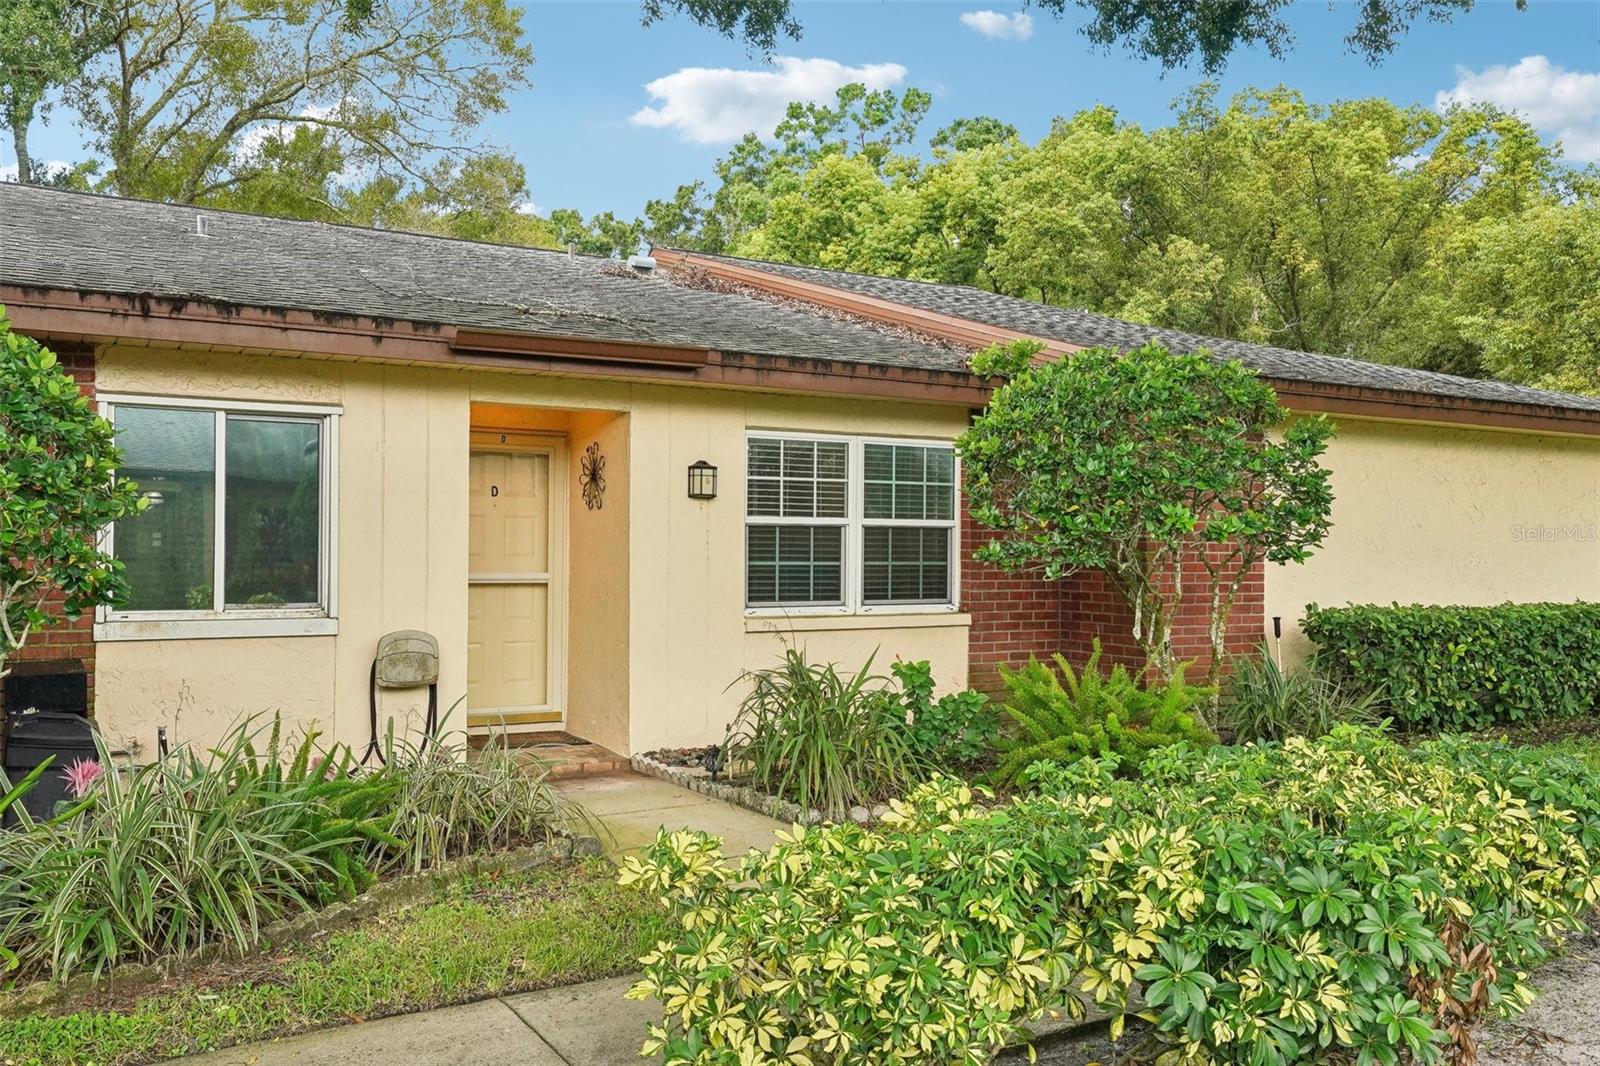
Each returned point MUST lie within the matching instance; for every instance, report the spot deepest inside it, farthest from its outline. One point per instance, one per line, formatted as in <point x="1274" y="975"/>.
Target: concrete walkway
<point x="580" y="1025"/>
<point x="633" y="807"/>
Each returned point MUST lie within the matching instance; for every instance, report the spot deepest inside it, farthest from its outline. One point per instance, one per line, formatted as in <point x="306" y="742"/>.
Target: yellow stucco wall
<point x="656" y="627"/>
<point x="1436" y="515"/>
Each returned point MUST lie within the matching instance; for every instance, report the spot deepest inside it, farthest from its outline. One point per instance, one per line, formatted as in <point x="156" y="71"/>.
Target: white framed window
<point x="238" y="537"/>
<point x="837" y="524"/>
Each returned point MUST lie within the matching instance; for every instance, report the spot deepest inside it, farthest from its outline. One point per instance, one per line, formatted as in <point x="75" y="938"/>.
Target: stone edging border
<point x="751" y="799"/>
<point x="385" y="895"/>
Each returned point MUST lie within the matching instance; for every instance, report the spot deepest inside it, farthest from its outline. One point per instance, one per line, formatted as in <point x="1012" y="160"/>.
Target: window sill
<point x="215" y="628"/>
<point x="770" y="621"/>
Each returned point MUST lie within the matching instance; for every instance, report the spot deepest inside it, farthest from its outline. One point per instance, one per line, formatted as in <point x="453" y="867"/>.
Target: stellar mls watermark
<point x="1540" y="533"/>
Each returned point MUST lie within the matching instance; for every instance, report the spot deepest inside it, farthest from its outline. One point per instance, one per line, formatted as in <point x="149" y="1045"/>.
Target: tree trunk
<point x="21" y="118"/>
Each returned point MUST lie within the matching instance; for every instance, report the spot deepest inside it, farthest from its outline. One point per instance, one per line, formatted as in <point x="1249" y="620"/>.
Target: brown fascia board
<point x="961" y="331"/>
<point x="1300" y="396"/>
<point x="71" y="316"/>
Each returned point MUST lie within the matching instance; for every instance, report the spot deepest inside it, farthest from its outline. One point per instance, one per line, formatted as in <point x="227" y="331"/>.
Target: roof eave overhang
<point x="71" y="316"/>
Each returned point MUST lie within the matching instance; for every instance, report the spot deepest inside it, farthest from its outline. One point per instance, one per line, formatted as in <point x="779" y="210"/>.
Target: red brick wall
<point x="63" y="639"/>
<point x="1015" y="615"/>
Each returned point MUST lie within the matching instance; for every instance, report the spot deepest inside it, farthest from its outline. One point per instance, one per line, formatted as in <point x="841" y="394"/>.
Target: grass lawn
<point x="554" y="925"/>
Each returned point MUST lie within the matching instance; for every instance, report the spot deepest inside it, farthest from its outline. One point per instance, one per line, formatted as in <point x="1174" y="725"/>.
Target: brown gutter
<point x="70" y="316"/>
<point x="1316" y="398"/>
<point x="958" y="330"/>
<point x="1301" y="396"/>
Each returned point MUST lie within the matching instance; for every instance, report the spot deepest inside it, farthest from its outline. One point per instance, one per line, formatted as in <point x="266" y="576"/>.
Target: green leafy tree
<point x="1167" y="472"/>
<point x="190" y="89"/>
<point x="44" y="44"/>
<point x="1171" y="32"/>
<point x="57" y="493"/>
<point x="1454" y="242"/>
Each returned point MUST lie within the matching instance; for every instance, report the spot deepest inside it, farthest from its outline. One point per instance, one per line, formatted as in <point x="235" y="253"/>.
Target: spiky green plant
<point x="189" y="851"/>
<point x="1263" y="701"/>
<point x="1064" y="714"/>
<point x="824" y="740"/>
<point x="452" y="801"/>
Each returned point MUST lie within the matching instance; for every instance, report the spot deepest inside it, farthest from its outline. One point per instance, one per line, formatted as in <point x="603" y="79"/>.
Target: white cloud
<point x="1559" y="102"/>
<point x="715" y="105"/>
<point x="1000" y="27"/>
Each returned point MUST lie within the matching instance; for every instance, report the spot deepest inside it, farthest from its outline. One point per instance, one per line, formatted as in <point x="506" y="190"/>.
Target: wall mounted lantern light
<point x="702" y="480"/>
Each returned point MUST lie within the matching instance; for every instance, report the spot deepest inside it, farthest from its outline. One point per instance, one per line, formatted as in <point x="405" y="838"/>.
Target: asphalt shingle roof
<point x="1084" y="328"/>
<point x="75" y="241"/>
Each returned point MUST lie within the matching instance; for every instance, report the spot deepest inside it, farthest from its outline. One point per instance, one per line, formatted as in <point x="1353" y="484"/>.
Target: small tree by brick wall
<point x="1174" y="476"/>
<point x="57" y="493"/>
<point x="63" y="637"/>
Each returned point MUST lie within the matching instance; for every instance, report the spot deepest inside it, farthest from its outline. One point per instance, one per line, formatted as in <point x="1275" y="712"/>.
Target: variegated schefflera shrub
<point x="1345" y="899"/>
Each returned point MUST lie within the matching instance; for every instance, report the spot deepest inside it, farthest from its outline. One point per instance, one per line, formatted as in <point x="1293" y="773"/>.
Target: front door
<point x="512" y="620"/>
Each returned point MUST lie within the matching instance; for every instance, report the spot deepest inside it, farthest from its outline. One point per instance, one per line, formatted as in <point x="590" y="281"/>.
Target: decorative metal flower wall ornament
<point x="592" y="477"/>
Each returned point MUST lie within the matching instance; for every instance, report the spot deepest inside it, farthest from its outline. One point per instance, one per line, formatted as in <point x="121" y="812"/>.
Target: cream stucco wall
<point x="402" y="534"/>
<point x="656" y="630"/>
<point x="1436" y="515"/>
<point x="688" y="633"/>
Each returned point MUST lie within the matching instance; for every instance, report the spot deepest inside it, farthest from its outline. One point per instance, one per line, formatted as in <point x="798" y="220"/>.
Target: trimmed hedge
<point x="1464" y="667"/>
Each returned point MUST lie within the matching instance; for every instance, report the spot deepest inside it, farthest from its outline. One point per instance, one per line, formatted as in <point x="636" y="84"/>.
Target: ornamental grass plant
<point x="202" y="849"/>
<point x="825" y="740"/>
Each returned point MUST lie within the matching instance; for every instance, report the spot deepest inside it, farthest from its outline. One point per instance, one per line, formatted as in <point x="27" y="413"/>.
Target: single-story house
<point x="608" y="488"/>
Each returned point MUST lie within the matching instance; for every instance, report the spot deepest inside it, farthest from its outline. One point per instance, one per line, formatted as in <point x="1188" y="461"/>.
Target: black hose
<point x="373" y="747"/>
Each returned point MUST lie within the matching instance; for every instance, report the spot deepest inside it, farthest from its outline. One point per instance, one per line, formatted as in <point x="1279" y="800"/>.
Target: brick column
<point x="62" y="639"/>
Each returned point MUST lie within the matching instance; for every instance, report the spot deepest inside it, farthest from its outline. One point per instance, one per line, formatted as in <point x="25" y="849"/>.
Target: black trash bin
<point x="34" y="736"/>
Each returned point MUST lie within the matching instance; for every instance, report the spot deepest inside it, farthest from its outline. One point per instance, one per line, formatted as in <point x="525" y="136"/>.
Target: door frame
<point x="552" y="715"/>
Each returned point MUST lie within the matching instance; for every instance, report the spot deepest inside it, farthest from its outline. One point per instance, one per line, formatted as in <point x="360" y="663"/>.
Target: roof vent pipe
<point x="572" y="249"/>
<point x="202" y="226"/>
<point x="644" y="264"/>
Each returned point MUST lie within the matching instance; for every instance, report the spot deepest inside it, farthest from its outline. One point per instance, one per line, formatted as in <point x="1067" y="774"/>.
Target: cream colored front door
<point x="512" y="621"/>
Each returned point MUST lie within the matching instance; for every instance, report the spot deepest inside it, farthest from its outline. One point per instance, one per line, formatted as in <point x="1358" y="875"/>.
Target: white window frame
<point x="854" y="524"/>
<point x="317" y="619"/>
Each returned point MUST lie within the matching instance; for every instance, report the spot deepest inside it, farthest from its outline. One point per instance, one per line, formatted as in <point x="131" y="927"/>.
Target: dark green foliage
<point x="955" y="731"/>
<point x="1263" y="701"/>
<point x="1144" y="464"/>
<point x="57" y="493"/>
<point x="825" y="740"/>
<point x="1084" y="714"/>
<point x="1464" y="667"/>
<point x="1340" y="900"/>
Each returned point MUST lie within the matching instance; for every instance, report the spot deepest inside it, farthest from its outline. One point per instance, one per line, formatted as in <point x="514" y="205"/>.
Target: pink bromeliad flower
<point x="81" y="775"/>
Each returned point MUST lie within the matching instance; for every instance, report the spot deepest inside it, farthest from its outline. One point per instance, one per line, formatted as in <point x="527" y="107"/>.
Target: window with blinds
<point x="849" y="523"/>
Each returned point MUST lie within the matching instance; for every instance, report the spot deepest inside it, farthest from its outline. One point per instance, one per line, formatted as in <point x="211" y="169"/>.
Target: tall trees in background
<point x="1454" y="242"/>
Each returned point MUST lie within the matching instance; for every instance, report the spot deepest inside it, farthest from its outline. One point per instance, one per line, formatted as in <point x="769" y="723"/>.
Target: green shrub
<point x="184" y="853"/>
<point x="822" y="739"/>
<point x="955" y="731"/>
<point x="201" y="850"/>
<point x="1273" y="904"/>
<point x="1464" y="667"/>
<point x="1074" y="714"/>
<point x="1263" y="701"/>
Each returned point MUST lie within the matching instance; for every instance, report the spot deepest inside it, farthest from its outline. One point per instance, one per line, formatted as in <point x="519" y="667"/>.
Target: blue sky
<point x="579" y="129"/>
